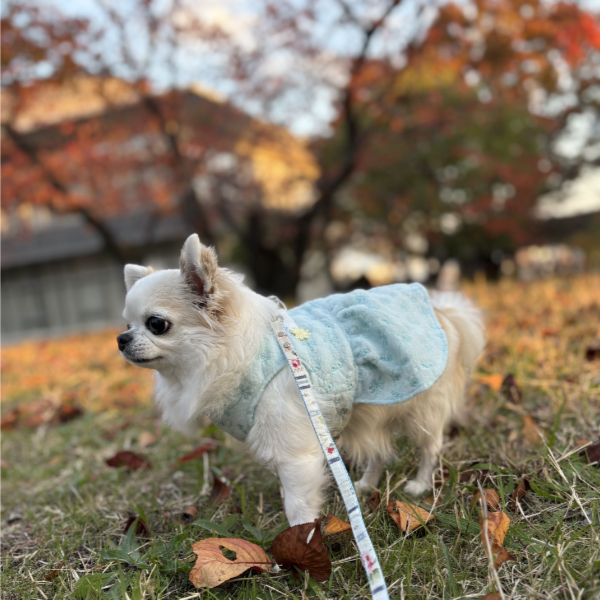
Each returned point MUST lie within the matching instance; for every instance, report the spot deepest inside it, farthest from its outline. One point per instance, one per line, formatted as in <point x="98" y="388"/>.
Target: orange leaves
<point x="333" y="525"/>
<point x="408" y="517"/>
<point x="86" y="370"/>
<point x="212" y="568"/>
<point x="493" y="525"/>
<point x="302" y="547"/>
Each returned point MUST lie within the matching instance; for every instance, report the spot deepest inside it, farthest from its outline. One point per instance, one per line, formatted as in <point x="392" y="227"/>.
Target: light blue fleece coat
<point x="381" y="346"/>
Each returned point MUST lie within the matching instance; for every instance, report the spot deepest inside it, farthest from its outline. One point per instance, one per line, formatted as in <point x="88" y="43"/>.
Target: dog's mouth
<point x="140" y="361"/>
<point x="145" y="360"/>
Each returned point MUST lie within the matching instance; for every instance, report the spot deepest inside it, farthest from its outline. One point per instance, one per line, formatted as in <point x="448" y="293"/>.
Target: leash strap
<point x="282" y="325"/>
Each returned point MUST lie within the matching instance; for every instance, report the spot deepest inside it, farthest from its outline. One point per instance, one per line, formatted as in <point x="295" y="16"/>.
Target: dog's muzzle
<point x="123" y="339"/>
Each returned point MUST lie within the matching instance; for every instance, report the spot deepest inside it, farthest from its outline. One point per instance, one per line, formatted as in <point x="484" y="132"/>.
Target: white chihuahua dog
<point x="384" y="362"/>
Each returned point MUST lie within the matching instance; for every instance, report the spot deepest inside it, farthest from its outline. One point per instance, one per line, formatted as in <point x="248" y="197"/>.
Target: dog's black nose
<point x="124" y="339"/>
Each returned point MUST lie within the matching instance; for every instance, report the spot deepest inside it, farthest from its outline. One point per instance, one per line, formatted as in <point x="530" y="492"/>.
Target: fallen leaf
<point x="140" y="529"/>
<point x="374" y="500"/>
<point x="530" y="431"/>
<point x="66" y="412"/>
<point x="591" y="454"/>
<point x="408" y="517"/>
<point x="128" y="459"/>
<point x="477" y="474"/>
<point x="496" y="525"/>
<point x="189" y="514"/>
<point x="333" y="525"/>
<point x="197" y="452"/>
<point x="492" y="596"/>
<point x="493" y="381"/>
<point x="10" y="420"/>
<point x="490" y="497"/>
<point x="146" y="438"/>
<point x="220" y="491"/>
<point x="510" y="390"/>
<point x="592" y="352"/>
<point x="55" y="572"/>
<point x="301" y="546"/>
<point x="518" y="494"/>
<point x="212" y="568"/>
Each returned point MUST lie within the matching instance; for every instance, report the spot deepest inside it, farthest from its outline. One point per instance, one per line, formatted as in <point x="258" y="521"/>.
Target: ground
<point x="64" y="509"/>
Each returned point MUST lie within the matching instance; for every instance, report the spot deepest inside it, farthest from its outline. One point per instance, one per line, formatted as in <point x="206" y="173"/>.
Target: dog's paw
<point x="362" y="487"/>
<point x="415" y="487"/>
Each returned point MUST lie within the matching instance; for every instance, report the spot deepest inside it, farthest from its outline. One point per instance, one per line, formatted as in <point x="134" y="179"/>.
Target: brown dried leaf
<point x="212" y="568"/>
<point x="492" y="596"/>
<point x="592" y="352"/>
<point x="490" y="497"/>
<point x="591" y="454"/>
<point x="333" y="525"/>
<point x="197" y="452"/>
<point x="189" y="514"/>
<point x="476" y="474"/>
<point x="220" y="491"/>
<point x="496" y="524"/>
<point x="140" y="529"/>
<point x="408" y="517"/>
<point x="510" y="390"/>
<point x="530" y="431"/>
<point x="519" y="493"/>
<point x="128" y="459"/>
<point x="374" y="500"/>
<point x="302" y="547"/>
<point x="55" y="572"/>
<point x="146" y="438"/>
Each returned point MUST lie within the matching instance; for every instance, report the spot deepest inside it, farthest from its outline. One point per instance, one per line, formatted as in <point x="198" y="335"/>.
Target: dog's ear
<point x="198" y="266"/>
<point x="134" y="273"/>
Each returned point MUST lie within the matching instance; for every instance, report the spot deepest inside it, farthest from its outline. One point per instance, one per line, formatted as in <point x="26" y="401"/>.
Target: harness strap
<point x="282" y="326"/>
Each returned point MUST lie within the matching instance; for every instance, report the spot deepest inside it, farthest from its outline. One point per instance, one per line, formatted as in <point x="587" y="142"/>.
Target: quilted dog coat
<point x="381" y="346"/>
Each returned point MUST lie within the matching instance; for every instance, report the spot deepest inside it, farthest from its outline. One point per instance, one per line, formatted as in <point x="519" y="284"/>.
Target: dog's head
<point x="174" y="316"/>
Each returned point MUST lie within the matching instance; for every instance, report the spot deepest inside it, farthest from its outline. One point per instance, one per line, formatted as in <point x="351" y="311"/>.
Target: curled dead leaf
<point x="408" y="517"/>
<point x="591" y="454"/>
<point x="518" y="494"/>
<point x="530" y="431"/>
<point x="212" y="567"/>
<point x="220" y="492"/>
<point x="128" y="459"/>
<point x="189" y="514"/>
<point x="494" y="526"/>
<point x="333" y="525"/>
<point x="197" y="452"/>
<point x="302" y="547"/>
<point x="55" y="572"/>
<point x="510" y="390"/>
<point x="492" y="596"/>
<point x="490" y="497"/>
<point x="140" y="529"/>
<point x="374" y="501"/>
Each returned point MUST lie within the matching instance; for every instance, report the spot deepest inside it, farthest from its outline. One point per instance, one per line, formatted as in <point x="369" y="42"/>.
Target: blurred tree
<point x="444" y="119"/>
<point x="468" y="132"/>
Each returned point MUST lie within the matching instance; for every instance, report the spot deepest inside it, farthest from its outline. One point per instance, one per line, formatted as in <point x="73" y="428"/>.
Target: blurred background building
<point x="341" y="146"/>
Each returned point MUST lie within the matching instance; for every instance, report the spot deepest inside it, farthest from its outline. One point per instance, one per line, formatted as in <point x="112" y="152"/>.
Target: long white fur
<point x="215" y="334"/>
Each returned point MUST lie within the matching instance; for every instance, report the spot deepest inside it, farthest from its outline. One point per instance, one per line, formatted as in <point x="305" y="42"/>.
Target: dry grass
<point x="64" y="508"/>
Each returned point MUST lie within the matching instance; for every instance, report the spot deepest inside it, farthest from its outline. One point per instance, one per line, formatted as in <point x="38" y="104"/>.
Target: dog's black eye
<point x="157" y="325"/>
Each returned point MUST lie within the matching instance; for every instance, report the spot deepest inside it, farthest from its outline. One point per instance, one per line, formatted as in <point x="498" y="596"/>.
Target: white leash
<point x="282" y="326"/>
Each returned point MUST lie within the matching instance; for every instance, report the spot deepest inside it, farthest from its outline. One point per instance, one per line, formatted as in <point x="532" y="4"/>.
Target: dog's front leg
<point x="304" y="479"/>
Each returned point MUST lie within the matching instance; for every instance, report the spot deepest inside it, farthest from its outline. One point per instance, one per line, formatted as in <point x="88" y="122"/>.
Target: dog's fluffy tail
<point x="468" y="320"/>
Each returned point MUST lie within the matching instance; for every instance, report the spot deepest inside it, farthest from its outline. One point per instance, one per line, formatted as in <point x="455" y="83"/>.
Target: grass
<point x="64" y="509"/>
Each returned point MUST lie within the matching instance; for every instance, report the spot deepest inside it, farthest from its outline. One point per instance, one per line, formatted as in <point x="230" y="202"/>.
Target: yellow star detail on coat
<point x="301" y="334"/>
